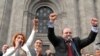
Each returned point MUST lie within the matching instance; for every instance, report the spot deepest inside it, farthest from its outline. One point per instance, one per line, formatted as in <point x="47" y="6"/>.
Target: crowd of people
<point x="65" y="45"/>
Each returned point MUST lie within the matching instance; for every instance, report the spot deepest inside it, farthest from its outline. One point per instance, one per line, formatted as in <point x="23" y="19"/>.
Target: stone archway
<point x="31" y="10"/>
<point x="34" y="9"/>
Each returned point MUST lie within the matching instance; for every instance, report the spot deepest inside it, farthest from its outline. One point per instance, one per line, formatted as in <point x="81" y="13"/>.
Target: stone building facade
<point x="17" y="15"/>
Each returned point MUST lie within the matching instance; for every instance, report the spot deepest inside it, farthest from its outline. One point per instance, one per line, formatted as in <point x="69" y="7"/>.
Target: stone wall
<point x="16" y="16"/>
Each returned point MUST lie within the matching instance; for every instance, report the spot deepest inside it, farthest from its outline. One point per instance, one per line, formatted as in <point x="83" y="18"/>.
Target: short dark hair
<point x="38" y="39"/>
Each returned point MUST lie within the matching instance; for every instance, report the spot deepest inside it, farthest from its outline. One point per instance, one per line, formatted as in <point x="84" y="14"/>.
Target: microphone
<point x="68" y="39"/>
<point x="20" y="43"/>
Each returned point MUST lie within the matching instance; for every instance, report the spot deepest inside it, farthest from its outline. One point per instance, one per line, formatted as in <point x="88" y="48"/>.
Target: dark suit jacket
<point x="60" y="45"/>
<point x="1" y="53"/>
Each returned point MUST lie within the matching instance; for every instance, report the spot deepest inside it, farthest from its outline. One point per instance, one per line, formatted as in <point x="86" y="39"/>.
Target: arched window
<point x="43" y="16"/>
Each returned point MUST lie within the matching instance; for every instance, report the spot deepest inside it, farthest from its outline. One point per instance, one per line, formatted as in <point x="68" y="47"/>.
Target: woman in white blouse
<point x="20" y="46"/>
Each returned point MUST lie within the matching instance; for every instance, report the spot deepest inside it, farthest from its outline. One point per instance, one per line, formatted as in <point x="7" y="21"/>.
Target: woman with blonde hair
<point x="20" y="46"/>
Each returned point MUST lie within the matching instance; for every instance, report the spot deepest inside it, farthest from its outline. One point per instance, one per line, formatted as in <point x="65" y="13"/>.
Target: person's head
<point x="97" y="53"/>
<point x="4" y="48"/>
<point x="67" y="32"/>
<point x="38" y="43"/>
<point x="19" y="37"/>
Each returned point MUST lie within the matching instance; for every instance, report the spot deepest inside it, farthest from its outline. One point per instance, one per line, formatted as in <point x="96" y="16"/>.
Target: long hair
<point x="15" y="36"/>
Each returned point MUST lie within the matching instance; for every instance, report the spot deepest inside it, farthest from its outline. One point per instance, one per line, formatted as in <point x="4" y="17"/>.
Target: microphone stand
<point x="74" y="47"/>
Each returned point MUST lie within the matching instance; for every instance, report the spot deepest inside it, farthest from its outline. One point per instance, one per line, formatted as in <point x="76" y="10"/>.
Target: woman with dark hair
<point x="20" y="46"/>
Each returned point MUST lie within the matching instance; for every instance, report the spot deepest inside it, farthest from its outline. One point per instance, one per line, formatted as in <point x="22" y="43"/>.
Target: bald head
<point x="67" y="32"/>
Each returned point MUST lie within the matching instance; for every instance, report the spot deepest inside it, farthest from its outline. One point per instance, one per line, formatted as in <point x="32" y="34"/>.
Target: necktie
<point x="69" y="47"/>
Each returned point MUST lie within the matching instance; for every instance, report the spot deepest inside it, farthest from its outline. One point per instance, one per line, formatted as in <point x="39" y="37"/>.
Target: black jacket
<point x="1" y="53"/>
<point x="60" y="45"/>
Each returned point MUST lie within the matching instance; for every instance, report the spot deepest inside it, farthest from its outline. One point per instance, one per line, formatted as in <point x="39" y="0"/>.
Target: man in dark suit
<point x="65" y="45"/>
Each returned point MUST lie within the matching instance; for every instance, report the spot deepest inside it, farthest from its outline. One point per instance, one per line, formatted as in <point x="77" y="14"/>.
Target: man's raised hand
<point x="94" y="22"/>
<point x="53" y="17"/>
